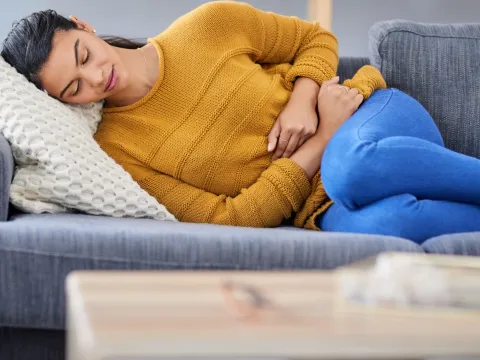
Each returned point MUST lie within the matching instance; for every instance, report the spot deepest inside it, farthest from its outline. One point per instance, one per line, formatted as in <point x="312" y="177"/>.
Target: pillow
<point x="438" y="65"/>
<point x="59" y="165"/>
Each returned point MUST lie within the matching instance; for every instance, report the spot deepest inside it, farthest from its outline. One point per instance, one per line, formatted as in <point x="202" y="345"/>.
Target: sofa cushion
<point x="59" y="165"/>
<point x="38" y="251"/>
<point x="455" y="244"/>
<point x="6" y="174"/>
<point x="438" y="65"/>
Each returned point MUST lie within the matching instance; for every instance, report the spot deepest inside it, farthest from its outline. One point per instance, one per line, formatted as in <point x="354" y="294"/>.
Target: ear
<point x="82" y="25"/>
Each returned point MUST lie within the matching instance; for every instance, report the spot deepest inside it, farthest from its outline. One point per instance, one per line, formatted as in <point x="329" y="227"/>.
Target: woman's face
<point x="82" y="68"/>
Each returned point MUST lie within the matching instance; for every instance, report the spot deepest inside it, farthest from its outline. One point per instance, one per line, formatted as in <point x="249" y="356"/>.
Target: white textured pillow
<point x="59" y="165"/>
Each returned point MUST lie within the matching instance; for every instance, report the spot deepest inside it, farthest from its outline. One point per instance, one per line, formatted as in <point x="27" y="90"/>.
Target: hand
<point x="296" y="123"/>
<point x="336" y="103"/>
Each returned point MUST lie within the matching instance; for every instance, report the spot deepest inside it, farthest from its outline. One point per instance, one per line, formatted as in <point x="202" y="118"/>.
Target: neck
<point x="141" y="77"/>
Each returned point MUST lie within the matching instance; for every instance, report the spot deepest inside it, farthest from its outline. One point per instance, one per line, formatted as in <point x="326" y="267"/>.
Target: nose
<point x="94" y="76"/>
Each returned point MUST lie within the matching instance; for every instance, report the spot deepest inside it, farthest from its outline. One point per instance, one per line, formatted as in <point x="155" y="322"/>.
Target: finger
<point x="336" y="89"/>
<point x="301" y="141"/>
<point x="343" y="89"/>
<point x="282" y="144"/>
<point x="358" y="100"/>
<point x="353" y="92"/>
<point x="323" y="87"/>
<point x="292" y="146"/>
<point x="273" y="136"/>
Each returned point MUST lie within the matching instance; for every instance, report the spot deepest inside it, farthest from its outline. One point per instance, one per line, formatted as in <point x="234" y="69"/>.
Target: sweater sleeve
<point x="366" y="81"/>
<point x="280" y="190"/>
<point x="276" y="39"/>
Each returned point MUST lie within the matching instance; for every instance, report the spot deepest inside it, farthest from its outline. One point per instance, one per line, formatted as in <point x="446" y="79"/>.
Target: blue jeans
<point x="388" y="172"/>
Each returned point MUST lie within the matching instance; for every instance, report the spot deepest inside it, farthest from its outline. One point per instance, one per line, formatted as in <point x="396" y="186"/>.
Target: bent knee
<point x="345" y="169"/>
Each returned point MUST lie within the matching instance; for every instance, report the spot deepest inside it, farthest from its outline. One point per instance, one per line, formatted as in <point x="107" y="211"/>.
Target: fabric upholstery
<point x="6" y="174"/>
<point x="348" y="66"/>
<point x="438" y="65"/>
<point x="455" y="244"/>
<point x="31" y="344"/>
<point x="38" y="251"/>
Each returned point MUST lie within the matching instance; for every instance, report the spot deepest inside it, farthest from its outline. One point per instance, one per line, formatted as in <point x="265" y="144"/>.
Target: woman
<point x="225" y="118"/>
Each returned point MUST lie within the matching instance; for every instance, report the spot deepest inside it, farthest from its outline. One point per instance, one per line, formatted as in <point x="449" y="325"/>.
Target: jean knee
<point x="343" y="169"/>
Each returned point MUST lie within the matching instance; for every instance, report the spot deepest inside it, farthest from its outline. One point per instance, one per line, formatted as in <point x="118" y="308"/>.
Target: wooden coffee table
<point x="153" y="315"/>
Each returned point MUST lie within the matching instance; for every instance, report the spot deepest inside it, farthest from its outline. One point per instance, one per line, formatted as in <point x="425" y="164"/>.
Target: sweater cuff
<point x="314" y="202"/>
<point x="366" y="81"/>
<point x="291" y="180"/>
<point x="311" y="71"/>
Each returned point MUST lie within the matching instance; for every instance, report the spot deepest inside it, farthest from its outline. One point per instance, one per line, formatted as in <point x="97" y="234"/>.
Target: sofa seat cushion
<point x="38" y="251"/>
<point x="455" y="244"/>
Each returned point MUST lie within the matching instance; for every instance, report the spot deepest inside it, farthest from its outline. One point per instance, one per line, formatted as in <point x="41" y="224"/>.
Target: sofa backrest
<point x="348" y="66"/>
<point x="439" y="65"/>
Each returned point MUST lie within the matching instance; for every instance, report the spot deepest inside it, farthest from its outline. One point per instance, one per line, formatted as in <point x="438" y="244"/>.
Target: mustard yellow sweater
<point x="198" y="140"/>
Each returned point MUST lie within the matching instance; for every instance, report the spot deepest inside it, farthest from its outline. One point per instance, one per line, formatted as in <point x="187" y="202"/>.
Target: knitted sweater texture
<point x="198" y="140"/>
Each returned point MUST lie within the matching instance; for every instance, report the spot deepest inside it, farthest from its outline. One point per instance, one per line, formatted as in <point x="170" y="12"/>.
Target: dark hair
<point x="28" y="45"/>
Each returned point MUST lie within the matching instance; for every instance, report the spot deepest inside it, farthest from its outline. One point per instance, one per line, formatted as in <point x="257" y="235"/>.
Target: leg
<point x="403" y="216"/>
<point x="391" y="146"/>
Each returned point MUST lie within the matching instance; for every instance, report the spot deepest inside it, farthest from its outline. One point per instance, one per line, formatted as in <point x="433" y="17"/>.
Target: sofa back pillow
<point x="439" y="65"/>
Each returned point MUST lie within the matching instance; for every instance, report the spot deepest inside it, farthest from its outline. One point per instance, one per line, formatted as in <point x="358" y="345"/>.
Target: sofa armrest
<point x="6" y="174"/>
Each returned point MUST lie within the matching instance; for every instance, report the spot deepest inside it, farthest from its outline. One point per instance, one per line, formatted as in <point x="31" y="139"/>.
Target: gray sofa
<point x="437" y="64"/>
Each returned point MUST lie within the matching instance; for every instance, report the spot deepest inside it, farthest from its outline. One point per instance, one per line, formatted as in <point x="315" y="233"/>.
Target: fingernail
<point x="270" y="147"/>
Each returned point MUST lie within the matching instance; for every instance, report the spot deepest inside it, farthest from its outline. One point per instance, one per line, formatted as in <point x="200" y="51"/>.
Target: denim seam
<point x="374" y="115"/>
<point x="405" y="146"/>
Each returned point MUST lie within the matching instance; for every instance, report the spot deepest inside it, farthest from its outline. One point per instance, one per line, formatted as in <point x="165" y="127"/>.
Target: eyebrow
<point x="75" y="49"/>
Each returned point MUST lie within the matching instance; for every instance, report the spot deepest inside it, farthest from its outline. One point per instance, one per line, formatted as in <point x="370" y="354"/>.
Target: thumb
<point x="273" y="136"/>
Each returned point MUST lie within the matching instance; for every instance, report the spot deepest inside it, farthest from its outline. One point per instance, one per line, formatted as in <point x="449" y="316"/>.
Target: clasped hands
<point x="303" y="118"/>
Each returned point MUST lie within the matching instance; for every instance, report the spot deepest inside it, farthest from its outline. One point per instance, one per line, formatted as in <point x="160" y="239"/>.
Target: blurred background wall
<point x="349" y="19"/>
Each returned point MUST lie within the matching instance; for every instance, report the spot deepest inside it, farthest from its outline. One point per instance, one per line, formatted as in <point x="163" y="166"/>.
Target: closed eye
<point x="78" y="89"/>
<point x="86" y="57"/>
<point x="83" y="63"/>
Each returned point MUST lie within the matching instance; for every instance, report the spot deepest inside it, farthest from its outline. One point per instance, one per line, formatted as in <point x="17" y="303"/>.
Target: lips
<point x="112" y="80"/>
